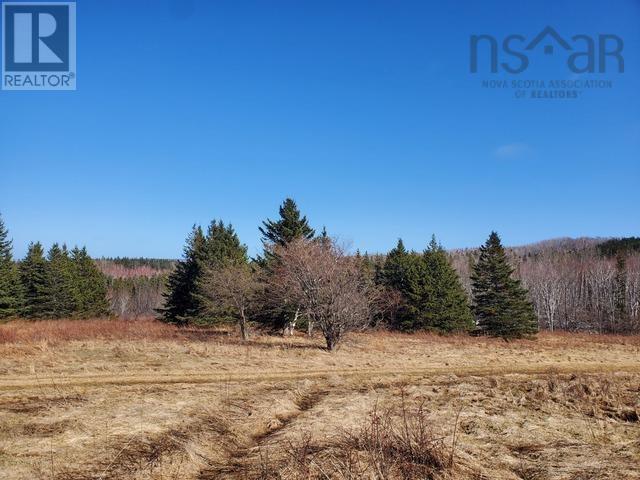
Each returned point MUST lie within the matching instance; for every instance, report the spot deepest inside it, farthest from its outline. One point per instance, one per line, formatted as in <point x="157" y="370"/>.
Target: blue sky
<point x="364" y="112"/>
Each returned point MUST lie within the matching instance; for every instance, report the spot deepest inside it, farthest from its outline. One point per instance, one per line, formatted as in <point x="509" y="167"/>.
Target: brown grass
<point x="55" y="331"/>
<point x="65" y="330"/>
<point x="110" y="399"/>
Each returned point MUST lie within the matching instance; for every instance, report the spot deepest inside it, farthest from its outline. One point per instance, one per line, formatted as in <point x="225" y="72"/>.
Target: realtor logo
<point x="39" y="46"/>
<point x="584" y="54"/>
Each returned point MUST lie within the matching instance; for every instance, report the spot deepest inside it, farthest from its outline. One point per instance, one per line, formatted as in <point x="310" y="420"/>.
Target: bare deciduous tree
<point x="543" y="279"/>
<point x="327" y="285"/>
<point x="633" y="291"/>
<point x="231" y="291"/>
<point x="386" y="304"/>
<point x="134" y="297"/>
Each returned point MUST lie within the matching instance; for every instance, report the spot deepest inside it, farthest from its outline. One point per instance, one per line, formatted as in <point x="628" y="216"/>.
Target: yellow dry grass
<point x="160" y="403"/>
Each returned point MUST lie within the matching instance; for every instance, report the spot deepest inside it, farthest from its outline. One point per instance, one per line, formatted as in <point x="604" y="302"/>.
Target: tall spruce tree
<point x="33" y="277"/>
<point x="500" y="303"/>
<point x="435" y="297"/>
<point x="223" y="246"/>
<point x="60" y="286"/>
<point x="181" y="302"/>
<point x="289" y="226"/>
<point x="10" y="287"/>
<point x="90" y="284"/>
<point x="395" y="271"/>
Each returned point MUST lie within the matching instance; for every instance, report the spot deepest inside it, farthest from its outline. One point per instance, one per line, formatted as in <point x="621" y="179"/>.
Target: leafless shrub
<point x="386" y="304"/>
<point x="399" y="442"/>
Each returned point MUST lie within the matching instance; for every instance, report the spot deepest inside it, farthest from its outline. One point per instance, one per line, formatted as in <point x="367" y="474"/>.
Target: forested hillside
<point x="575" y="284"/>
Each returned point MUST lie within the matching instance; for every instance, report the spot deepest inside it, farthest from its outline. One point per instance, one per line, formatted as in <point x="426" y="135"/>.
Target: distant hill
<point x="553" y="245"/>
<point x="604" y="246"/>
<point x="562" y="244"/>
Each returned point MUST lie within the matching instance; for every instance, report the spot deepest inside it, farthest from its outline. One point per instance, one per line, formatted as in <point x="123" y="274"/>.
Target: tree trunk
<point x="243" y="326"/>
<point x="330" y="344"/>
<point x="291" y="324"/>
<point x="309" y="327"/>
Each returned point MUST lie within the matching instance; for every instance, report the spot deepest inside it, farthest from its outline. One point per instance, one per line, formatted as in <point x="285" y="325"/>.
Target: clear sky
<point x="364" y="112"/>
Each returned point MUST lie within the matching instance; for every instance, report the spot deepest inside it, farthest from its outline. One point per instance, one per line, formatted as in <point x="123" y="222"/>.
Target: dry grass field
<point x="132" y="400"/>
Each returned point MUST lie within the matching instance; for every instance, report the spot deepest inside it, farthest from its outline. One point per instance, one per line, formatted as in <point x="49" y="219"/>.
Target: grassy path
<point x="35" y="381"/>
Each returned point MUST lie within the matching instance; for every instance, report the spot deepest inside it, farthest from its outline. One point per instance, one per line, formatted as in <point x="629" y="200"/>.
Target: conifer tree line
<point x="304" y="279"/>
<point x="58" y="284"/>
<point x="584" y="284"/>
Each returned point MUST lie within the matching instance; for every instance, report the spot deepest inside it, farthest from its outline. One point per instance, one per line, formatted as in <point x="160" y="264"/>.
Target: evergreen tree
<point x="435" y="297"/>
<point x="181" y="302"/>
<point x="33" y="277"/>
<point x="394" y="273"/>
<point x="500" y="305"/>
<point x="90" y="284"/>
<point x="289" y="226"/>
<point x="222" y="249"/>
<point x="367" y="267"/>
<point x="10" y="288"/>
<point x="60" y="288"/>
<point x="396" y="267"/>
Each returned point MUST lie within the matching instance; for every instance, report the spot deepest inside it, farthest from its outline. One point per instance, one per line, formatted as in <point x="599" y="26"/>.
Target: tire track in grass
<point x="20" y="383"/>
<point x="244" y="459"/>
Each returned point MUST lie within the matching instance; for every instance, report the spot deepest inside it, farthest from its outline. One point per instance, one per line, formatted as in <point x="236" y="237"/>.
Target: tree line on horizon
<point x="302" y="278"/>
<point x="584" y="284"/>
<point x="60" y="284"/>
<point x="576" y="285"/>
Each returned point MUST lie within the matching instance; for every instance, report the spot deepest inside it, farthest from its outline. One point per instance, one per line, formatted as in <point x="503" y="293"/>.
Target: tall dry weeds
<point x="394" y="442"/>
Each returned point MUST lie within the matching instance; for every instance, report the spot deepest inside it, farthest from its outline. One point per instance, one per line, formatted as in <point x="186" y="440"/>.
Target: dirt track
<point x="18" y="383"/>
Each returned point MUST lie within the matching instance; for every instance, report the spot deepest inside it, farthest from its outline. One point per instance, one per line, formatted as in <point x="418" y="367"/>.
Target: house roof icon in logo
<point x="548" y="49"/>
